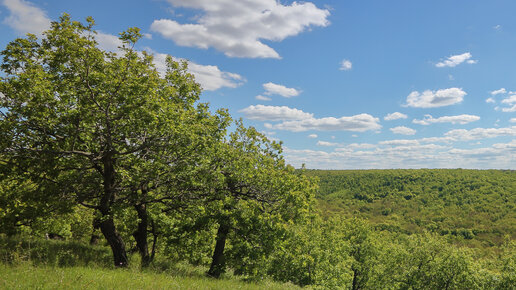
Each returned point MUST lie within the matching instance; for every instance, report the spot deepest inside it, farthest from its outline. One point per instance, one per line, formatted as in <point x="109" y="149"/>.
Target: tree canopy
<point x="102" y="126"/>
<point x="107" y="131"/>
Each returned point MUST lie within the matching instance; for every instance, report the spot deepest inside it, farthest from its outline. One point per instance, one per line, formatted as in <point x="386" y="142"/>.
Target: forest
<point x="475" y="206"/>
<point x="106" y="163"/>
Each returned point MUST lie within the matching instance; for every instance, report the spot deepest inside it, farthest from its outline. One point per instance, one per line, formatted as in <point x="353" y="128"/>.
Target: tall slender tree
<point x="254" y="195"/>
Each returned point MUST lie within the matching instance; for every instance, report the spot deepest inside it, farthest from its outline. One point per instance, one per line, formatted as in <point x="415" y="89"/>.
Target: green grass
<point x="27" y="276"/>
<point x="28" y="263"/>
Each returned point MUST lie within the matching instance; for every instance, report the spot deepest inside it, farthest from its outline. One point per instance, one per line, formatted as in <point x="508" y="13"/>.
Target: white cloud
<point x="346" y="65"/>
<point x="358" y="146"/>
<point x="108" y="42"/>
<point x="403" y="130"/>
<point x="512" y="120"/>
<point x="499" y="91"/>
<point x="407" y="154"/>
<point x="497" y="27"/>
<point x="328" y="144"/>
<point x="237" y="27"/>
<point x="357" y="123"/>
<point x="262" y="98"/>
<point x="313" y="136"/>
<point x="395" y="116"/>
<point x="274" y="113"/>
<point x="212" y="78"/>
<point x="25" y="18"/>
<point x="401" y="142"/>
<point x="437" y="140"/>
<point x="509" y="109"/>
<point x="510" y="100"/>
<point x="275" y="89"/>
<point x="455" y="60"/>
<point x="459" y="119"/>
<point x="490" y="100"/>
<point x="480" y="133"/>
<point x="434" y="99"/>
<point x="209" y="76"/>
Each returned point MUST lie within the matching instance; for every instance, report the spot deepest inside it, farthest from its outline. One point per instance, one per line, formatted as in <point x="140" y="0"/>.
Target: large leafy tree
<point x="250" y="195"/>
<point x="102" y="127"/>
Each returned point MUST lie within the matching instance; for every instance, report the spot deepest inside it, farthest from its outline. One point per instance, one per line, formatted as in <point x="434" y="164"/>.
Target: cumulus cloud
<point x="274" y="113"/>
<point x="345" y="65"/>
<point x="512" y="120"/>
<point x="455" y="60"/>
<point x="312" y="136"/>
<point x="509" y="109"/>
<point x="459" y="119"/>
<point x="437" y="140"/>
<point x="510" y="100"/>
<point x="262" y="98"/>
<point x="357" y="123"/>
<point x="480" y="133"/>
<point x="358" y="146"/>
<point x="401" y="142"/>
<point x="403" y="130"/>
<point x="406" y="154"/>
<point x="490" y="100"/>
<point x="434" y="99"/>
<point x="108" y="42"/>
<point x="237" y="28"/>
<point x="328" y="144"/>
<point x="25" y="17"/>
<point x="395" y="116"/>
<point x="210" y="77"/>
<point x="275" y="89"/>
<point x="499" y="91"/>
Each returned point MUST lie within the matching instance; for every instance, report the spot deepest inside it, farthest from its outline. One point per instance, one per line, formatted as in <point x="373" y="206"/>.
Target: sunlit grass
<point x="27" y="276"/>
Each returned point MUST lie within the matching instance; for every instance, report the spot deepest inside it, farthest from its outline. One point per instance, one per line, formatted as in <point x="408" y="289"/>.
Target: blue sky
<point x="344" y="84"/>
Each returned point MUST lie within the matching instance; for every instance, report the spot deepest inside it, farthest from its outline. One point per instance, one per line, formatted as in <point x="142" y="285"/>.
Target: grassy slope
<point x="28" y="263"/>
<point x="26" y="276"/>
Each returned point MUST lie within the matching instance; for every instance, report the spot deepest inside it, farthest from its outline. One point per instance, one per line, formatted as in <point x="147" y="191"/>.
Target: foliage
<point x="102" y="128"/>
<point x="475" y="207"/>
<point x="314" y="254"/>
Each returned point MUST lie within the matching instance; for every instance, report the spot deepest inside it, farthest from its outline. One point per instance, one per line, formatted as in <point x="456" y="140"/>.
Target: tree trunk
<point x="107" y="224"/>
<point x="218" y="265"/>
<point x="94" y="239"/>
<point x="355" y="285"/>
<point x="154" y="239"/>
<point x="140" y="235"/>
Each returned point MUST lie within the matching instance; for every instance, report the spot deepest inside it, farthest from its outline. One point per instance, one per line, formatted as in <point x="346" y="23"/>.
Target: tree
<point x="251" y="195"/>
<point x="104" y="128"/>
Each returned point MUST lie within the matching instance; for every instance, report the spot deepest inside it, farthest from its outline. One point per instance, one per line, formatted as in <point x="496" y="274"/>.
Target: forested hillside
<point x="478" y="207"/>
